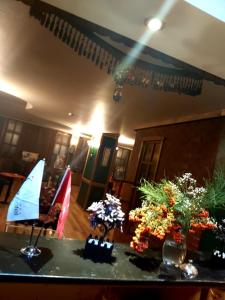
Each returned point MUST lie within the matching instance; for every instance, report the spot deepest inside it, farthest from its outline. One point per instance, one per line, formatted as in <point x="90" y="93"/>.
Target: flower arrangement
<point x="218" y="256"/>
<point x="106" y="213"/>
<point x="220" y="232"/>
<point x="169" y="207"/>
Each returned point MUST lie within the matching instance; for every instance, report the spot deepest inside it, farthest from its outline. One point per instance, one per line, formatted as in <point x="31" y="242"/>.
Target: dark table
<point x="10" y="177"/>
<point x="62" y="263"/>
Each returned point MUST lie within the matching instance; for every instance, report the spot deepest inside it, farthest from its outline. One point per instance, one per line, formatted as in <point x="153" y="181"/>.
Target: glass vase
<point x="173" y="252"/>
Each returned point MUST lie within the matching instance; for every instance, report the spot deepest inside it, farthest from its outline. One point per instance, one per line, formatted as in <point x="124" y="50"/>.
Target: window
<point x="11" y="138"/>
<point x="62" y="143"/>
<point x="149" y="158"/>
<point x="214" y="8"/>
<point x="79" y="156"/>
<point x="121" y="162"/>
<point x="147" y="165"/>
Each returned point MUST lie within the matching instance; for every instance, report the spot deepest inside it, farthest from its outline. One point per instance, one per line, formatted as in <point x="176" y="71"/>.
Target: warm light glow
<point x="9" y="89"/>
<point x="17" y="91"/>
<point x="94" y="142"/>
<point x="154" y="24"/>
<point x="76" y="132"/>
<point x="95" y="127"/>
<point x="125" y="140"/>
<point x="97" y="123"/>
<point x="74" y="140"/>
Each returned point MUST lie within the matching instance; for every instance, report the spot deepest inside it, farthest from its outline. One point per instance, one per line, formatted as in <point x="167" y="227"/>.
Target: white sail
<point x="25" y="204"/>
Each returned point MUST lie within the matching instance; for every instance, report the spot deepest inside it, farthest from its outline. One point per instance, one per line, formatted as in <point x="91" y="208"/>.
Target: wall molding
<point x="183" y="119"/>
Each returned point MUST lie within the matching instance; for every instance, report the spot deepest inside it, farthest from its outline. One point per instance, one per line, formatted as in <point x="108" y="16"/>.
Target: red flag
<point x="63" y="197"/>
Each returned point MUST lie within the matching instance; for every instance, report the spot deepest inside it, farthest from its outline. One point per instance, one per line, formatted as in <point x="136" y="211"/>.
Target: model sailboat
<point x="25" y="204"/>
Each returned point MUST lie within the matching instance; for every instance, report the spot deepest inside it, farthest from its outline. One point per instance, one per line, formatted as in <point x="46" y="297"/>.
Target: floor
<point x="77" y="224"/>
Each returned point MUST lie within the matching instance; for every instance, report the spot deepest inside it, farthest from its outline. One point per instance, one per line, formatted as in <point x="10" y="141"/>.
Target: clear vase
<point x="173" y="252"/>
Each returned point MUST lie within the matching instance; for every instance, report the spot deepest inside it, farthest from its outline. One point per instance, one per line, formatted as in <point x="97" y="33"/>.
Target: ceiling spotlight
<point x="28" y="106"/>
<point x="154" y="24"/>
<point x="70" y="114"/>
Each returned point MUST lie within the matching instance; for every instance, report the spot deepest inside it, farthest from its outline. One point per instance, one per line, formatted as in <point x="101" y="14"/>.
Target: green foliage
<point x="214" y="197"/>
<point x="182" y="197"/>
<point x="153" y="193"/>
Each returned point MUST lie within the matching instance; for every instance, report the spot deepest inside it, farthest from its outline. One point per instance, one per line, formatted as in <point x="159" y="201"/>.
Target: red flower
<point x="204" y="214"/>
<point x="171" y="201"/>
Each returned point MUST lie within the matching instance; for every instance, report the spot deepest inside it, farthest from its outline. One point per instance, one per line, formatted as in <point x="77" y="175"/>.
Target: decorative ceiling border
<point x="84" y="38"/>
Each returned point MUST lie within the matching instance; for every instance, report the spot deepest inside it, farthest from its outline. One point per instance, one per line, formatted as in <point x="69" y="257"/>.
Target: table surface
<point x="63" y="261"/>
<point x="12" y="175"/>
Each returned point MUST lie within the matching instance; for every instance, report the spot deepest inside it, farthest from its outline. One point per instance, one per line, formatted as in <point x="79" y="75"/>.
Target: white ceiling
<point x="38" y="68"/>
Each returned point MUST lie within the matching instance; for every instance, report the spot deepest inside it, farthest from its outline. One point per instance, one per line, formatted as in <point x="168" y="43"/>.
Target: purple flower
<point x="106" y="212"/>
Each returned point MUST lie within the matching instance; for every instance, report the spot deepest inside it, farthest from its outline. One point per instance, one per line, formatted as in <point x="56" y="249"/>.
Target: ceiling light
<point x="28" y="106"/>
<point x="125" y="140"/>
<point x="70" y="114"/>
<point x="154" y="24"/>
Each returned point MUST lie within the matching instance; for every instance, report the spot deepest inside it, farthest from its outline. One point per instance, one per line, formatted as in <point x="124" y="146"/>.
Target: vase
<point x="173" y="252"/>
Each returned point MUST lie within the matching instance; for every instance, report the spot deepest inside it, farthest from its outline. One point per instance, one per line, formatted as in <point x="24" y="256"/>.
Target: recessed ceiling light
<point x="70" y="114"/>
<point x="154" y="24"/>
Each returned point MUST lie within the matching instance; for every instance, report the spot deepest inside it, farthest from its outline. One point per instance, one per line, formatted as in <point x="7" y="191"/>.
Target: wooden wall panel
<point x="2" y="127"/>
<point x="28" y="138"/>
<point x="45" y="142"/>
<point x="33" y="139"/>
<point x="188" y="147"/>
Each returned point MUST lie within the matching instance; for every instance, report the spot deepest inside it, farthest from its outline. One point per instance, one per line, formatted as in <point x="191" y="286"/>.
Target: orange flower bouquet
<point x="169" y="208"/>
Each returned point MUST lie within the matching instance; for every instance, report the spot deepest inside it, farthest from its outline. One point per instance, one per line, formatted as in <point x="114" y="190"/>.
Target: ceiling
<point x="189" y="34"/>
<point x="38" y="68"/>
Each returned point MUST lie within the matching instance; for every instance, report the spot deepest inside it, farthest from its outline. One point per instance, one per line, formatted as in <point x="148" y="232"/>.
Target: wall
<point x="33" y="138"/>
<point x="187" y="147"/>
<point x="220" y="158"/>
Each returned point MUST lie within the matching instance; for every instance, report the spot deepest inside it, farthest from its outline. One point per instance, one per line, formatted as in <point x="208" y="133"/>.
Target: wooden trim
<point x="38" y="122"/>
<point x="125" y="146"/>
<point x="96" y="160"/>
<point x="113" y="135"/>
<point x="160" y="150"/>
<point x="190" y="118"/>
<point x="116" y="136"/>
<point x="152" y="138"/>
<point x="3" y="130"/>
<point x="86" y="161"/>
<point x="147" y="139"/>
<point x="85" y="180"/>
